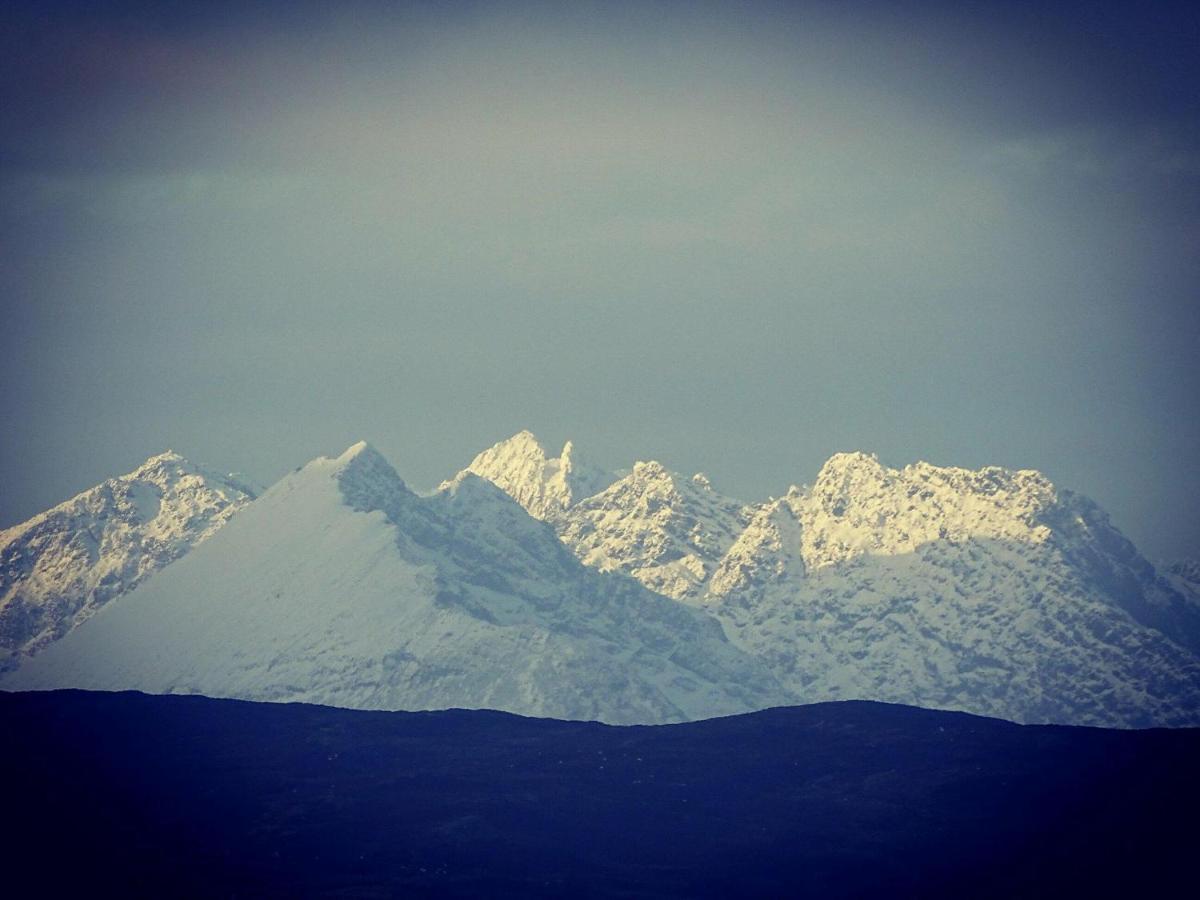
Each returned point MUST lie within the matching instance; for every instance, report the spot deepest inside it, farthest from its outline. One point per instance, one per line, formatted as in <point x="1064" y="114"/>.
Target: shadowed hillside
<point x="194" y="796"/>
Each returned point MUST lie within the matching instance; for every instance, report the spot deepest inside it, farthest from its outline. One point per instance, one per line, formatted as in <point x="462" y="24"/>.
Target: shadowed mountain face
<point x="199" y="797"/>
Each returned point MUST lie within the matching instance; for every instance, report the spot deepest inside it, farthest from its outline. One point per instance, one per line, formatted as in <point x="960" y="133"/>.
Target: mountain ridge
<point x="341" y="586"/>
<point x="990" y="590"/>
<point x="660" y="599"/>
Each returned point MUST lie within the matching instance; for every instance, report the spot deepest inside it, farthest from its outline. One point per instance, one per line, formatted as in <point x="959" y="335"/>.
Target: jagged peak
<point x="652" y="468"/>
<point x="166" y="456"/>
<point x="511" y="459"/>
<point x="925" y="467"/>
<point x="165" y="467"/>
<point x="572" y="461"/>
<point x="160" y="460"/>
<point x="857" y="466"/>
<point x="544" y="486"/>
<point x="653" y="478"/>
<point x="851" y="461"/>
<point x="524" y="440"/>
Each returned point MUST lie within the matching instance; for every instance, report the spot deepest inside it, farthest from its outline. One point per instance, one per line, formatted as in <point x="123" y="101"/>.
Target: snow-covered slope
<point x="340" y="586"/>
<point x="59" y="567"/>
<point x="989" y="591"/>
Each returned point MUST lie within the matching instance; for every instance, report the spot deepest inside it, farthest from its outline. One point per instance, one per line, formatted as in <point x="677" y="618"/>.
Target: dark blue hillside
<point x="176" y="796"/>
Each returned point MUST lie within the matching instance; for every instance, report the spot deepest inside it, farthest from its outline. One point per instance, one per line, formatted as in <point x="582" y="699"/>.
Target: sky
<point x="736" y="238"/>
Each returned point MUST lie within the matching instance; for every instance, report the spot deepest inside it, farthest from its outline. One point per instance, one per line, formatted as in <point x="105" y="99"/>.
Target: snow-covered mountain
<point x="990" y="591"/>
<point x="647" y="597"/>
<point x="61" y="566"/>
<point x="341" y="586"/>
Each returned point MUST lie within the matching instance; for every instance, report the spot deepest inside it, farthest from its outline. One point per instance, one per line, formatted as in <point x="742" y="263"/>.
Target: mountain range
<point x="549" y="587"/>
<point x="341" y="586"/>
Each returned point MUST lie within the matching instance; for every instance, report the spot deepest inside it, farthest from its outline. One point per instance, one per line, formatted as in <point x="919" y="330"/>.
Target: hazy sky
<point x="736" y="238"/>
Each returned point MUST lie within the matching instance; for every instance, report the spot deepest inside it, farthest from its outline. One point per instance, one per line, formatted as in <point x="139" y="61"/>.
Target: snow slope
<point x="340" y="586"/>
<point x="61" y="566"/>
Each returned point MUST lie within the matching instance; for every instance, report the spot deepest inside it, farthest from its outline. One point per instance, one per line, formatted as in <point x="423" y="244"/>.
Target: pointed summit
<point x="368" y="481"/>
<point x="545" y="486"/>
<point x="364" y="458"/>
<point x="356" y="450"/>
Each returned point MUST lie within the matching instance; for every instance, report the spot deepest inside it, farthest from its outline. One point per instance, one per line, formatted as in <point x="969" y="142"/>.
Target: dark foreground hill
<point x="113" y="794"/>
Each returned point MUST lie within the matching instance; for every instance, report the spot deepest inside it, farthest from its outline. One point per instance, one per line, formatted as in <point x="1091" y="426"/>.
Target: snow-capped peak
<point x="665" y="530"/>
<point x="544" y="485"/>
<point x="858" y="505"/>
<point x="167" y="456"/>
<point x="59" y="567"/>
<point x="361" y="448"/>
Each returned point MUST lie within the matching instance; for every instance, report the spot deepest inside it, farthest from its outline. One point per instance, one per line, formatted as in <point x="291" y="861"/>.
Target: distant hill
<point x="136" y="795"/>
